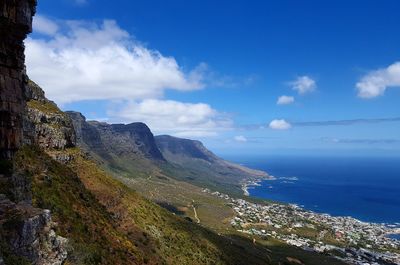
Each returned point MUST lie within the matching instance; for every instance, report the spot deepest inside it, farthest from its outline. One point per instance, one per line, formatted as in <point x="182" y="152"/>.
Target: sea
<point x="366" y="188"/>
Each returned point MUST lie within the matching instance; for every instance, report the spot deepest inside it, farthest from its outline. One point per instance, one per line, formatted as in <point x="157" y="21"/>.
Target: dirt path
<point x="195" y="213"/>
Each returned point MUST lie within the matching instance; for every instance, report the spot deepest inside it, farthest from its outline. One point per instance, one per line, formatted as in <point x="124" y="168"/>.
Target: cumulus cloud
<point x="173" y="117"/>
<point x="89" y="61"/>
<point x="285" y="100"/>
<point x="303" y="84"/>
<point x="279" y="125"/>
<point x="376" y="82"/>
<point x="240" y="138"/>
<point x="44" y="25"/>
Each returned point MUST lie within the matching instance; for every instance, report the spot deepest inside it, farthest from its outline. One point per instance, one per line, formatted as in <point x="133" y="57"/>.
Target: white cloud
<point x="173" y="117"/>
<point x="279" y="125"/>
<point x="44" y="25"/>
<point x="303" y="84"/>
<point x="89" y="61"/>
<point x="376" y="82"/>
<point x="285" y="100"/>
<point x="240" y="138"/>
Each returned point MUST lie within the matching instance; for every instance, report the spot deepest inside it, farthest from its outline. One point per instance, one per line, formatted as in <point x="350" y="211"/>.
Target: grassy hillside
<point x="108" y="223"/>
<point x="177" y="240"/>
<point x="80" y="217"/>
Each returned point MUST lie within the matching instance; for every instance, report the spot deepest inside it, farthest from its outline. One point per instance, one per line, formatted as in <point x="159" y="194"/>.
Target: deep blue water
<point x="365" y="188"/>
<point x="394" y="236"/>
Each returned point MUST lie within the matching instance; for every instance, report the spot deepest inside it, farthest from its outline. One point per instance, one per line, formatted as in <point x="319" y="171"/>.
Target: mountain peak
<point x="134" y="139"/>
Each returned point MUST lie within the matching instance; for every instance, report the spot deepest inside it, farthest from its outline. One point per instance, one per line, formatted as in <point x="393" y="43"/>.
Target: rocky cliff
<point x="123" y="140"/>
<point x="15" y="24"/>
<point x="26" y="232"/>
<point x="184" y="147"/>
<point x="118" y="146"/>
<point x="45" y="124"/>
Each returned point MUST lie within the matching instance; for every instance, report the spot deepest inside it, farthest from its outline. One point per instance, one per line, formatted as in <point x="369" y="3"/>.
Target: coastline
<point x="354" y="241"/>
<point x="249" y="183"/>
<point x="393" y="234"/>
<point x="333" y="188"/>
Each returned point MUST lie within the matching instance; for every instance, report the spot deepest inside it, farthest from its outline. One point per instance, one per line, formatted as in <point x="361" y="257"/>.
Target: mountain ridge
<point x="133" y="148"/>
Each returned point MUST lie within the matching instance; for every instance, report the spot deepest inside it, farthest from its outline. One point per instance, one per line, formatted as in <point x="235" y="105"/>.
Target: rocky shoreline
<point x="249" y="183"/>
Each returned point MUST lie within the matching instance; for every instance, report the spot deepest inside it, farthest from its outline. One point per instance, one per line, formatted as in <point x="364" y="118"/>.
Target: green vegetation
<point x="47" y="107"/>
<point x="80" y="218"/>
<point x="177" y="240"/>
<point x="8" y="256"/>
<point x="108" y="223"/>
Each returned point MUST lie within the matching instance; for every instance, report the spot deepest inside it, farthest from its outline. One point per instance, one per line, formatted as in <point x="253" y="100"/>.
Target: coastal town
<point x="345" y="238"/>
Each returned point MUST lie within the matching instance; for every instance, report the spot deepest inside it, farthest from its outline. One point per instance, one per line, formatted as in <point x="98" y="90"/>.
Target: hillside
<point x="200" y="166"/>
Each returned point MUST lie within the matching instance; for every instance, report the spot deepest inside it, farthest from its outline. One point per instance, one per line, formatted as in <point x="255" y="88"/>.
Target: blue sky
<point x="215" y="70"/>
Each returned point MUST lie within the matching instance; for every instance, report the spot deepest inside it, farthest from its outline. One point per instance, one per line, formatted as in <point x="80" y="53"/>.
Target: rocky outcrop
<point x="86" y="133"/>
<point x="184" y="147"/>
<point x="29" y="232"/>
<point x="133" y="139"/>
<point x="134" y="136"/>
<point x="45" y="124"/>
<point x="15" y="24"/>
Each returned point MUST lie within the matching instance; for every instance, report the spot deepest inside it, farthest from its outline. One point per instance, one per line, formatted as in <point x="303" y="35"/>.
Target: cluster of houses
<point x="346" y="238"/>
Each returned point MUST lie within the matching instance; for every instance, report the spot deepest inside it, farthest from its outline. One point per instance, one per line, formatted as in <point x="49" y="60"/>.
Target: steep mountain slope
<point x="132" y="150"/>
<point x="120" y="147"/>
<point x="200" y="166"/>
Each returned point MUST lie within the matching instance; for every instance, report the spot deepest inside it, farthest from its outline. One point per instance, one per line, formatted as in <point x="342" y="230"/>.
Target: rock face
<point x="45" y="125"/>
<point x="30" y="231"/>
<point x="184" y="147"/>
<point x="15" y="24"/>
<point x="133" y="139"/>
<point x="138" y="135"/>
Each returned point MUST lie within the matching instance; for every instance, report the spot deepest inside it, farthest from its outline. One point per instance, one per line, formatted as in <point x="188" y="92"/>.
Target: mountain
<point x="178" y="148"/>
<point x="132" y="150"/>
<point x="199" y="165"/>
<point x="120" y="147"/>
